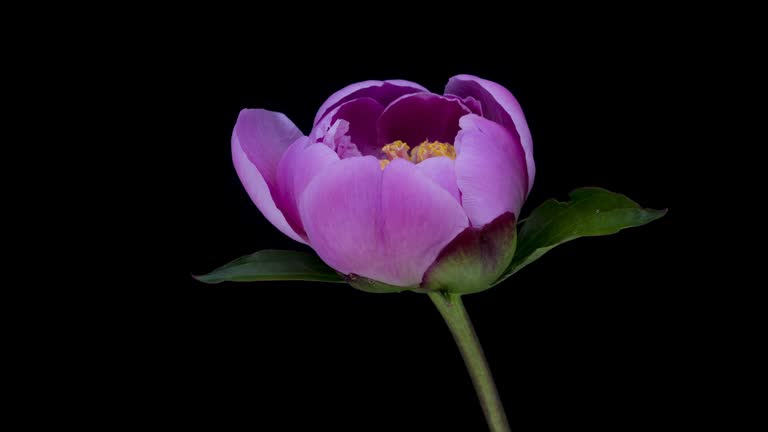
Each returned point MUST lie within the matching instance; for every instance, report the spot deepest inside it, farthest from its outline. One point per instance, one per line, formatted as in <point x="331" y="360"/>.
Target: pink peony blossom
<point x="391" y="174"/>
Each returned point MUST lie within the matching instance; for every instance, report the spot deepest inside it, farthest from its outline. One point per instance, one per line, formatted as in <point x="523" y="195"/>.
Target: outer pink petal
<point x="388" y="227"/>
<point x="258" y="190"/>
<point x="490" y="170"/>
<point x="420" y="219"/>
<point x="341" y="210"/>
<point x="382" y="91"/>
<point x="264" y="136"/>
<point x="500" y="106"/>
<point x="442" y="171"/>
<point x="299" y="165"/>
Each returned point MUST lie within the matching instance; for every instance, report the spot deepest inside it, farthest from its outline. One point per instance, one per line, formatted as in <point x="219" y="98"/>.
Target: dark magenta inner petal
<point x="469" y="102"/>
<point x="421" y="116"/>
<point x="491" y="109"/>
<point x="384" y="93"/>
<point x="362" y="115"/>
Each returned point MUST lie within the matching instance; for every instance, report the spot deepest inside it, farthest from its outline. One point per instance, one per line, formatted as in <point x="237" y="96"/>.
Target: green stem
<point x="454" y="314"/>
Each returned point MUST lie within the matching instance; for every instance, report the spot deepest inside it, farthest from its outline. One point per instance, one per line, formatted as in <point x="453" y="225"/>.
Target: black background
<point x="591" y="334"/>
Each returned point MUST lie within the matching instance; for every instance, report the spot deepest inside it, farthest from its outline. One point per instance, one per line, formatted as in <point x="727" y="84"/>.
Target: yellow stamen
<point x="421" y="152"/>
<point x="397" y="149"/>
<point x="428" y="150"/>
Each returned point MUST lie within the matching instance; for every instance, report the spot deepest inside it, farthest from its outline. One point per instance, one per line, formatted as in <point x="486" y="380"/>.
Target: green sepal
<point x="473" y="260"/>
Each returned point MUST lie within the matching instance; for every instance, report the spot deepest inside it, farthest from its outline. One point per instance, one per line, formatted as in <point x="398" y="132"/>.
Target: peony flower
<point x="394" y="184"/>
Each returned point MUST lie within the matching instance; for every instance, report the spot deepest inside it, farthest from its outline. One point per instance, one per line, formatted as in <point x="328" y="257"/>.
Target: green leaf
<point x="590" y="212"/>
<point x="273" y="265"/>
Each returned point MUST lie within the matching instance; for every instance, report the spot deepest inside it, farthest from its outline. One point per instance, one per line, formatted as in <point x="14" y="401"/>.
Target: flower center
<point x="421" y="152"/>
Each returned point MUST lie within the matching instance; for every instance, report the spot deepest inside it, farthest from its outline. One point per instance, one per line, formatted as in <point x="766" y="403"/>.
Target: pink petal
<point x="340" y="210"/>
<point x="264" y="136"/>
<point x="299" y="165"/>
<point x="498" y="105"/>
<point x="420" y="219"/>
<point x="258" y="190"/>
<point x="490" y="170"/>
<point x="361" y="114"/>
<point x="383" y="92"/>
<point x="337" y="139"/>
<point x="441" y="170"/>
<point x="421" y="116"/>
<point x="470" y="102"/>
<point x="384" y="225"/>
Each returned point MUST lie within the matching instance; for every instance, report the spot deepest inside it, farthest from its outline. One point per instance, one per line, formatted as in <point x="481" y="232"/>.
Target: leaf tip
<point x="658" y="213"/>
<point x="206" y="279"/>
